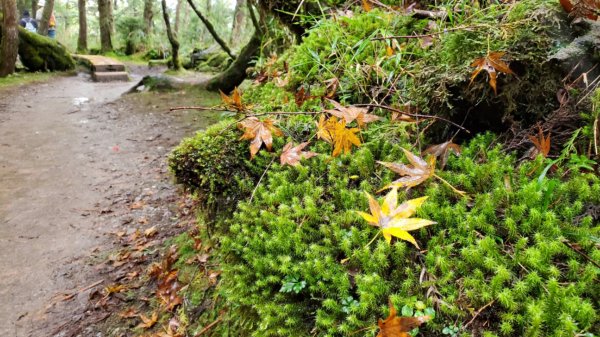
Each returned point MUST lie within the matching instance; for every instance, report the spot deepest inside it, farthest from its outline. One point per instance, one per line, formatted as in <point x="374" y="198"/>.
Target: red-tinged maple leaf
<point x="259" y="133"/>
<point x="233" y="102"/>
<point x="351" y="113"/>
<point x="394" y="326"/>
<point x="443" y="151"/>
<point x="168" y="289"/>
<point x="492" y="64"/>
<point x="589" y="9"/>
<point x="541" y="143"/>
<point x="148" y="322"/>
<point x="292" y="155"/>
<point x="412" y="175"/>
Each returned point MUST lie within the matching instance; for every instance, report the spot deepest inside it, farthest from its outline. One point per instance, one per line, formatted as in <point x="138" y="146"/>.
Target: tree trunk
<point x="82" y="40"/>
<point x="148" y="14"/>
<point x="10" y="38"/>
<point x="212" y="31"/>
<point x="172" y="37"/>
<point x="34" y="6"/>
<point x="22" y="5"/>
<point x="105" y="29"/>
<point x="238" y="22"/>
<point x="208" y="6"/>
<point x="178" y="15"/>
<point x="46" y="13"/>
<point x="236" y="73"/>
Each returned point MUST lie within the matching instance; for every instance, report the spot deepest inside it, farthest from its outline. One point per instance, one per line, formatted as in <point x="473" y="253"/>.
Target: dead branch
<point x="211" y="30"/>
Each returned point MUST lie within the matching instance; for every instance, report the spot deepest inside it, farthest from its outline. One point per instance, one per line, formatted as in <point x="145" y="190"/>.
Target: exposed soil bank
<point x="74" y="157"/>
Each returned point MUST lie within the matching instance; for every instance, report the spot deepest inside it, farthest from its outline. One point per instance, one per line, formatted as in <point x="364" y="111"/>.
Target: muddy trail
<point x="80" y="165"/>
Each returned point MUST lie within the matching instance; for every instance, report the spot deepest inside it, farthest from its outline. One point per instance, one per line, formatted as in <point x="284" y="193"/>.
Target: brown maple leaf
<point x="332" y="87"/>
<point x="233" y="102"/>
<point x="168" y="289"/>
<point x="351" y="113"/>
<point x="148" y="322"/>
<point x="412" y="175"/>
<point x="129" y="313"/>
<point x="394" y="326"/>
<point x="541" y="143"/>
<point x="259" y="132"/>
<point x="443" y="151"/>
<point x="334" y="131"/>
<point x="292" y="155"/>
<point x="492" y="64"/>
<point x="582" y="8"/>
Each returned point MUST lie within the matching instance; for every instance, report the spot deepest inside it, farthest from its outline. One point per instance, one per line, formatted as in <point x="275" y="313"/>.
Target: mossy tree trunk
<point x="236" y="73"/>
<point x="172" y="37"/>
<point x="10" y="38"/>
<point x="44" y="22"/>
<point x="82" y="39"/>
<point x="41" y="53"/>
<point x="105" y="26"/>
<point x="148" y="15"/>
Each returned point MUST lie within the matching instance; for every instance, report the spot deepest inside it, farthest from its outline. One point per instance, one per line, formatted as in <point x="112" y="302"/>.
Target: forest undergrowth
<point x="395" y="175"/>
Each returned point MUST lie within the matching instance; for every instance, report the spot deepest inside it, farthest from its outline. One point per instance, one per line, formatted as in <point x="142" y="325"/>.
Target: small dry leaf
<point x="412" y="175"/>
<point x="147" y="323"/>
<point x="292" y="155"/>
<point x="150" y="232"/>
<point x="332" y="86"/>
<point x="394" y="326"/>
<point x="582" y="8"/>
<point x="351" y="113"/>
<point x="137" y="205"/>
<point x="233" y="102"/>
<point x="114" y="289"/>
<point x="443" y="151"/>
<point x="492" y="64"/>
<point x="541" y="143"/>
<point x="366" y="5"/>
<point x="129" y="313"/>
<point x="389" y="51"/>
<point x="259" y="132"/>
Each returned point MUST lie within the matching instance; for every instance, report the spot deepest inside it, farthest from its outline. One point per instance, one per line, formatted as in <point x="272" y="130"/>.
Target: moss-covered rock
<point x="40" y="53"/>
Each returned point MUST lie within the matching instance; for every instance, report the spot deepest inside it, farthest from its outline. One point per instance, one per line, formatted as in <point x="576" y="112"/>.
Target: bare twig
<point x="568" y="244"/>
<point x="261" y="178"/>
<point x="210" y="326"/>
<point x="389" y="108"/>
<point x="477" y="314"/>
<point x="196" y="108"/>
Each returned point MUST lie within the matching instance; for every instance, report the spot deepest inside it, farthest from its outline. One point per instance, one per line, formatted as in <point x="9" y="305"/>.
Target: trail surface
<point x="74" y="157"/>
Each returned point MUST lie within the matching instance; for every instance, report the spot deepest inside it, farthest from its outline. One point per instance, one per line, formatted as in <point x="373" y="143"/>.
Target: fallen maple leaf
<point x="582" y="8"/>
<point x="332" y="87"/>
<point x="541" y="143"/>
<point x="352" y="113"/>
<point x="259" y="132"/>
<point x="150" y="232"/>
<point x="366" y="5"/>
<point x="292" y="155"/>
<point x="168" y="289"/>
<point x="129" y="313"/>
<point x="492" y="64"/>
<point x="412" y="175"/>
<point x="394" y="326"/>
<point x="147" y="323"/>
<point x="114" y="289"/>
<point x="233" y="102"/>
<point x="336" y="133"/>
<point x="443" y="151"/>
<point x="395" y="220"/>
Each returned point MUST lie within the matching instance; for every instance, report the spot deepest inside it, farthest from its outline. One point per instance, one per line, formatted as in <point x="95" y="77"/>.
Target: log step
<point x="110" y="76"/>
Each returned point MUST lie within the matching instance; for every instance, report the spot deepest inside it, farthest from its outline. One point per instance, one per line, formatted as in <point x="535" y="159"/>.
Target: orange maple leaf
<point x="334" y="131"/>
<point x="394" y="326"/>
<point x="292" y="155"/>
<point x="259" y="132"/>
<point x="148" y="322"/>
<point x="351" y="113"/>
<point x="541" y="143"/>
<point x="233" y="102"/>
<point x="492" y="64"/>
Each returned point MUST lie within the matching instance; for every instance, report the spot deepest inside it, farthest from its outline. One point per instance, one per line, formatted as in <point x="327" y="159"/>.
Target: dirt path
<point x="74" y="157"/>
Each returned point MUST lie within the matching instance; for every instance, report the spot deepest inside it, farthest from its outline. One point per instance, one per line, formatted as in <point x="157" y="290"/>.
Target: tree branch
<point x="211" y="30"/>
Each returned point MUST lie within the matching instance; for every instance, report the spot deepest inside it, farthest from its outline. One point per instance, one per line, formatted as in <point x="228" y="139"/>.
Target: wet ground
<point x="79" y="165"/>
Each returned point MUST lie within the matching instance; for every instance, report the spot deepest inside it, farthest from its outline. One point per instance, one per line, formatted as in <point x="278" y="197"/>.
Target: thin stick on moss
<point x="261" y="178"/>
<point x="196" y="108"/>
<point x="568" y="244"/>
<point x="210" y="326"/>
<point x="389" y="108"/>
<point x="457" y="191"/>
<point x="477" y="314"/>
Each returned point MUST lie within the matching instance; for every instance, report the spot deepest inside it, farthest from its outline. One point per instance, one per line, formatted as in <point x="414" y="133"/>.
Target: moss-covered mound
<point x="40" y="53"/>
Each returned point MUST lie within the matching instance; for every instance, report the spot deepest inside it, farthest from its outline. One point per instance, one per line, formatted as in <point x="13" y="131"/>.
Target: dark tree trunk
<point x="212" y="31"/>
<point x="239" y="15"/>
<point x="236" y="73"/>
<point x="82" y="40"/>
<point x="46" y="13"/>
<point x="178" y="15"/>
<point x="172" y="37"/>
<point x="23" y="5"/>
<point x="148" y="15"/>
<point x="34" y="7"/>
<point x="105" y="26"/>
<point x="10" y="38"/>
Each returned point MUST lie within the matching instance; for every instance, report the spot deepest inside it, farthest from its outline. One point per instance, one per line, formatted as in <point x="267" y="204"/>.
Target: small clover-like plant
<point x="348" y="304"/>
<point x="451" y="330"/>
<point x="292" y="284"/>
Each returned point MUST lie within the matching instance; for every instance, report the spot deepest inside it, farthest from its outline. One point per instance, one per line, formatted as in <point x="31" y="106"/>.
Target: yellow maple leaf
<point x="395" y="220"/>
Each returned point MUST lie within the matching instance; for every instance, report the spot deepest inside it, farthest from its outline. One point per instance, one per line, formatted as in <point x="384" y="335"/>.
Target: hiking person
<point x="28" y="22"/>
<point x="51" y="20"/>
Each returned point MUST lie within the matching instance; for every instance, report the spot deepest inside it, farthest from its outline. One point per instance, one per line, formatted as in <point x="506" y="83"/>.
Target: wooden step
<point x="108" y="67"/>
<point x="110" y="76"/>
